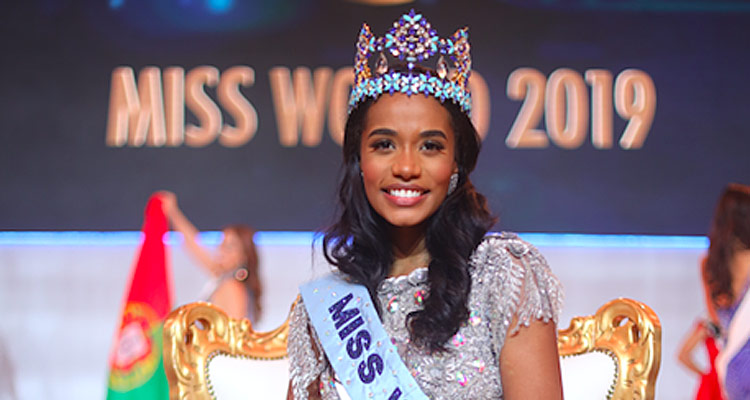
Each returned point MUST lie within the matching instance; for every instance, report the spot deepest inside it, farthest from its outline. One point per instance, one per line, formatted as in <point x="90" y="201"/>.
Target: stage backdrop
<point x="597" y="116"/>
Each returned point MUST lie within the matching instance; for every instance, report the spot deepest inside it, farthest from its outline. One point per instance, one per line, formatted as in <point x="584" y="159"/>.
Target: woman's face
<point x="407" y="157"/>
<point x="230" y="255"/>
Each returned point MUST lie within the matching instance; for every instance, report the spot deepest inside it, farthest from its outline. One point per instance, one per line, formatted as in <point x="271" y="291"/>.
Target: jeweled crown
<point x="413" y="40"/>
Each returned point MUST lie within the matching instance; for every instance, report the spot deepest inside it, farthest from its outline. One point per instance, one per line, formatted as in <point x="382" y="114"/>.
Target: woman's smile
<point x="405" y="195"/>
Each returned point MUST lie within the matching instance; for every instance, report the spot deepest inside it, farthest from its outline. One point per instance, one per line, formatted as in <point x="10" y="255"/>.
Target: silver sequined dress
<point x="509" y="278"/>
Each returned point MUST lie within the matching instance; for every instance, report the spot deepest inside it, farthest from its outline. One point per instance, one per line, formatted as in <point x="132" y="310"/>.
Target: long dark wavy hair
<point x="359" y="245"/>
<point x="730" y="232"/>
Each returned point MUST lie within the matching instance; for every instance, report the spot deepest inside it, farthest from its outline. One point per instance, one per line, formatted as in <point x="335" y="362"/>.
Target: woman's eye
<point x="432" y="146"/>
<point x="382" y="145"/>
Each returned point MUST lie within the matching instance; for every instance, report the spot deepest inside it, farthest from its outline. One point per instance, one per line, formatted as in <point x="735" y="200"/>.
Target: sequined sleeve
<point x="306" y="358"/>
<point x="521" y="285"/>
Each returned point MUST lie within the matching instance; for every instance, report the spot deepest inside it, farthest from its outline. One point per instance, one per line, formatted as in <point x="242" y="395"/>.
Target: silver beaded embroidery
<point x="509" y="278"/>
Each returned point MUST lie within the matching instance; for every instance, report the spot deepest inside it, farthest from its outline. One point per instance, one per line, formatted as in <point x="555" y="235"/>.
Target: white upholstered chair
<point x="613" y="354"/>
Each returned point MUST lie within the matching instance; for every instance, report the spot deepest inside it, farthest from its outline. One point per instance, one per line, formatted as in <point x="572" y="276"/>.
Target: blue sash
<point x="360" y="351"/>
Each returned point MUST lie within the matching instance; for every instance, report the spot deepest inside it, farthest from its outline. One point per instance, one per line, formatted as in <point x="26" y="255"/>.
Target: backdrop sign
<point x="595" y="118"/>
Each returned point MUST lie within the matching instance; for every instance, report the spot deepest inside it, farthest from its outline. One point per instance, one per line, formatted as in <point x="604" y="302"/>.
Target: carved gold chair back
<point x="628" y="334"/>
<point x="208" y="355"/>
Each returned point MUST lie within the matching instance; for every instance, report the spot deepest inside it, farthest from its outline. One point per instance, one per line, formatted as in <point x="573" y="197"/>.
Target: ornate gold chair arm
<point x="630" y="331"/>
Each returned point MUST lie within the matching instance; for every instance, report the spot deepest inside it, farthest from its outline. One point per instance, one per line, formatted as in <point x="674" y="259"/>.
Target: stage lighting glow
<point x="615" y="241"/>
<point x="305" y="238"/>
<point x="115" y="4"/>
<point x="219" y="6"/>
<point x="70" y="238"/>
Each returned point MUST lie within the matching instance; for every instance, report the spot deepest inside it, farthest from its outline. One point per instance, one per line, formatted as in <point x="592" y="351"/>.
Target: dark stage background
<point x="57" y="171"/>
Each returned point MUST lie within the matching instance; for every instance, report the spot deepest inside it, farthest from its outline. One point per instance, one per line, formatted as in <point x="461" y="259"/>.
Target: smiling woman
<point x="407" y="158"/>
<point x="421" y="302"/>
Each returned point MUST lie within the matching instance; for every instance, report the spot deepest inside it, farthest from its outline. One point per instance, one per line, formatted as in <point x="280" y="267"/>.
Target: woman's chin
<point x="406" y="222"/>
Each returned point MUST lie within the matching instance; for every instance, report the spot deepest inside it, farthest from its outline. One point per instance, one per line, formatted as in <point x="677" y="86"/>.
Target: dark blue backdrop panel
<point x="56" y="171"/>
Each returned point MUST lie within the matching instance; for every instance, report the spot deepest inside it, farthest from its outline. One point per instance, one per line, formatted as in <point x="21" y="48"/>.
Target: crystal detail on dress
<point x="461" y="378"/>
<point x="458" y="339"/>
<point x="474" y="318"/>
<point x="419" y="297"/>
<point x="393" y="304"/>
<point x="478" y="363"/>
<point x="504" y="288"/>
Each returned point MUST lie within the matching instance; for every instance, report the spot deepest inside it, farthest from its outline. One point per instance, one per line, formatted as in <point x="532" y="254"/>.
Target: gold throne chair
<point x="613" y="354"/>
<point x="208" y="355"/>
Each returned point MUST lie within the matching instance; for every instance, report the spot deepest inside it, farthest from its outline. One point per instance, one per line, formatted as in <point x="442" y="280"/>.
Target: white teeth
<point x="405" y="193"/>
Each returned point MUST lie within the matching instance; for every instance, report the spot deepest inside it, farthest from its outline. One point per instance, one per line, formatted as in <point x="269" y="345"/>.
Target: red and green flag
<point x="136" y="370"/>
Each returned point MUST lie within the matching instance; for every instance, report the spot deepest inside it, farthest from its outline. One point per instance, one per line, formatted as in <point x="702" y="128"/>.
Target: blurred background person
<point x="704" y="332"/>
<point x="235" y="286"/>
<point x="726" y="277"/>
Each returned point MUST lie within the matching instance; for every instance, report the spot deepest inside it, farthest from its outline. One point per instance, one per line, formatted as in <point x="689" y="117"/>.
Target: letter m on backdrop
<point x="136" y="115"/>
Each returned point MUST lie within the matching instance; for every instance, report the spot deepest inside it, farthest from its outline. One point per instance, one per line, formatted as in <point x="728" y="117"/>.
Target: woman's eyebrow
<point x="433" y="133"/>
<point x="382" y="131"/>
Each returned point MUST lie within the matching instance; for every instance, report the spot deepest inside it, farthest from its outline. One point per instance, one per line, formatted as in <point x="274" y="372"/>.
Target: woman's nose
<point x="406" y="165"/>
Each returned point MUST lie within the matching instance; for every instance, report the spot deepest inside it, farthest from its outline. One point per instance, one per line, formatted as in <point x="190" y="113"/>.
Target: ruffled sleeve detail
<point x="520" y="286"/>
<point x="306" y="359"/>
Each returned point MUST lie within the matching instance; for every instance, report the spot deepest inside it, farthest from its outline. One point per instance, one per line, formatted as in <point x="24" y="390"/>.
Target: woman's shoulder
<point x="514" y="273"/>
<point x="502" y="248"/>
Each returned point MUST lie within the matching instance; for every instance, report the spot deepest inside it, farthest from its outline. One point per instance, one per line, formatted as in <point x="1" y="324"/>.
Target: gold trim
<point x="628" y="329"/>
<point x="196" y="332"/>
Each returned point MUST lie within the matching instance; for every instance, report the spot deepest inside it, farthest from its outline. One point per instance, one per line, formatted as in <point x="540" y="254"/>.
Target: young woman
<point x="421" y="303"/>
<point x="235" y="286"/>
<point x="726" y="278"/>
<point x="704" y="334"/>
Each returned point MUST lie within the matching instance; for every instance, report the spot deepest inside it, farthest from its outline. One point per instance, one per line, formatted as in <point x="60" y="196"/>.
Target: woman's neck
<point x="409" y="250"/>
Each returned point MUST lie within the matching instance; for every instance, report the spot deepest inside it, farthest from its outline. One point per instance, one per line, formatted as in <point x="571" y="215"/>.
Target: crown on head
<point x="413" y="40"/>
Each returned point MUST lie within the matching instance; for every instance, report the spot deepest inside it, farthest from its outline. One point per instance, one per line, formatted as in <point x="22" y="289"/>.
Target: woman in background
<point x="726" y="277"/>
<point x="704" y="332"/>
<point x="235" y="285"/>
